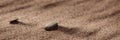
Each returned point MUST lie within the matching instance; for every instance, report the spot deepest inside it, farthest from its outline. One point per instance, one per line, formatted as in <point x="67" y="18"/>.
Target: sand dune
<point x="77" y="19"/>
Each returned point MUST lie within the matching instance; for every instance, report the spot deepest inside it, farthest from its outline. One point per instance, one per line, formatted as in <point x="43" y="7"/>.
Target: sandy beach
<point x="77" y="19"/>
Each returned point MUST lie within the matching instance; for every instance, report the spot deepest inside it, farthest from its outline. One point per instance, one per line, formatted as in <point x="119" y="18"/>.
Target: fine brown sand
<point x="77" y="19"/>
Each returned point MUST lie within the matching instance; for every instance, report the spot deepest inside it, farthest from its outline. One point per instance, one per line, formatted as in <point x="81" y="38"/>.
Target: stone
<point x="14" y="21"/>
<point x="51" y="26"/>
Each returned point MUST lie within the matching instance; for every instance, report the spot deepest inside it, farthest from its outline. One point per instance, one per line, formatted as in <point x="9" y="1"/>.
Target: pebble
<point x="51" y="26"/>
<point x="14" y="21"/>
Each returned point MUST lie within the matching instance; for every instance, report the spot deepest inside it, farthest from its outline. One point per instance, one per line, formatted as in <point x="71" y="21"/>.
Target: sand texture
<point x="77" y="19"/>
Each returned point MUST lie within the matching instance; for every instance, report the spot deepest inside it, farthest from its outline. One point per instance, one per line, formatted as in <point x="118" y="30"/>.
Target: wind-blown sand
<point x="78" y="19"/>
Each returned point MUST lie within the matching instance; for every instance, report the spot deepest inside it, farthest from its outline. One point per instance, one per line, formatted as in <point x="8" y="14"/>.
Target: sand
<point x="77" y="19"/>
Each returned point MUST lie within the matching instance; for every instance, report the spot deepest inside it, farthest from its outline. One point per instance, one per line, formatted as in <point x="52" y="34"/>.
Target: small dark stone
<point x="51" y="26"/>
<point x="14" y="21"/>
